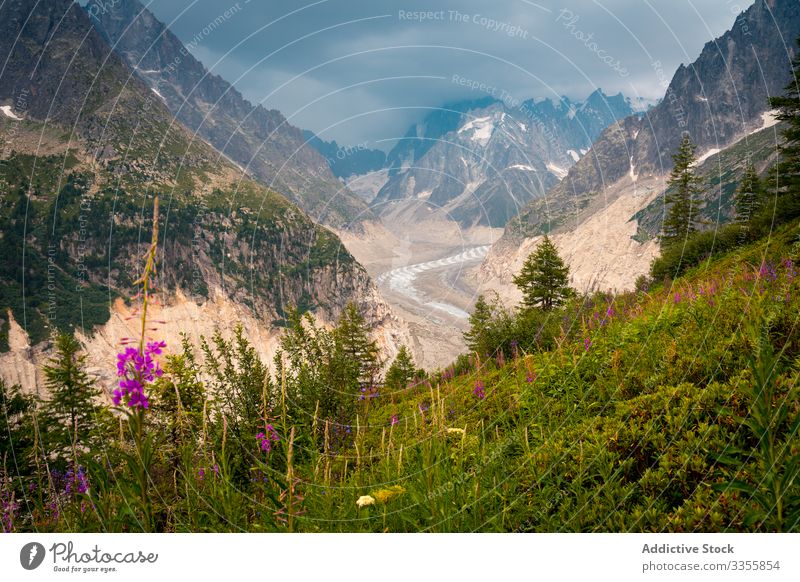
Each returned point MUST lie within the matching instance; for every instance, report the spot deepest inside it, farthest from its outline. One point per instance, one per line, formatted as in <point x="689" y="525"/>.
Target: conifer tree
<point x="352" y="337"/>
<point x="749" y="195"/>
<point x="683" y="189"/>
<point x="71" y="412"/>
<point x="16" y="426"/>
<point x="787" y="171"/>
<point x="544" y="278"/>
<point x="402" y="370"/>
<point x="480" y="323"/>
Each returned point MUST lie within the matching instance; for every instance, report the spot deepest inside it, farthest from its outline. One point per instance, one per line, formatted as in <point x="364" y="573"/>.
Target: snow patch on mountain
<point x="769" y="118"/>
<point x="706" y="155"/>
<point x="8" y="112"/>
<point x="557" y="171"/>
<point x="482" y="129"/>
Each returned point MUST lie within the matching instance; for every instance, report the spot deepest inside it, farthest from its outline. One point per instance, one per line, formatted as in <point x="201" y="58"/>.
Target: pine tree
<point x="480" y="324"/>
<point x="683" y="189"/>
<point x="71" y="413"/>
<point x="16" y="428"/>
<point x="181" y="394"/>
<point x="352" y="336"/>
<point x="402" y="370"/>
<point x="787" y="172"/>
<point x="544" y="279"/>
<point x="749" y="195"/>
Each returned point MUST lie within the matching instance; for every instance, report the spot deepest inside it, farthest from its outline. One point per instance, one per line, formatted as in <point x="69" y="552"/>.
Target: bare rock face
<point x="602" y="252"/>
<point x="723" y="93"/>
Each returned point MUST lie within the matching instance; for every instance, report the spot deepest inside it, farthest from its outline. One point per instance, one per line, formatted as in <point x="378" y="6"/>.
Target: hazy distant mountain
<point x="346" y="161"/>
<point x="482" y="161"/>
<point x="258" y="139"/>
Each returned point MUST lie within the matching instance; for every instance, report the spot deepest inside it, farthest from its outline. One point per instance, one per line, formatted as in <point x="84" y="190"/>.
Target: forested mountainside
<point x="86" y="147"/>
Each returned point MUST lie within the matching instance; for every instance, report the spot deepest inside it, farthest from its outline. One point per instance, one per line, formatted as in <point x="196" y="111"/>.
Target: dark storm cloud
<point x="360" y="71"/>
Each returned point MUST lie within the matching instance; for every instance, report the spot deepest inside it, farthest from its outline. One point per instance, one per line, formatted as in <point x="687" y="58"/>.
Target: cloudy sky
<point x="360" y="71"/>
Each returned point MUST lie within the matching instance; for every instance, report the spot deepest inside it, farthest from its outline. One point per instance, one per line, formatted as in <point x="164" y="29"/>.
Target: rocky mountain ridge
<point x="259" y="140"/>
<point x="482" y="161"/>
<point x="719" y="98"/>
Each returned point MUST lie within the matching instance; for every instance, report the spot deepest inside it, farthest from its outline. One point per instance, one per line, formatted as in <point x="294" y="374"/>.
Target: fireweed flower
<point x="587" y="343"/>
<point x="394" y="420"/>
<point x="368" y="393"/>
<point x="76" y="481"/>
<point x="478" y="390"/>
<point x="767" y="271"/>
<point x="265" y="439"/>
<point x="791" y="273"/>
<point x="9" y="508"/>
<point x="136" y="370"/>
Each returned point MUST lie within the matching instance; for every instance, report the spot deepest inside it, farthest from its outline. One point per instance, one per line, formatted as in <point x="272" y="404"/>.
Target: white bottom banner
<point x="354" y="557"/>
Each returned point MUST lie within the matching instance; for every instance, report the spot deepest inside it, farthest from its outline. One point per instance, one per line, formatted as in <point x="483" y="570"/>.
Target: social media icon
<point x="31" y="555"/>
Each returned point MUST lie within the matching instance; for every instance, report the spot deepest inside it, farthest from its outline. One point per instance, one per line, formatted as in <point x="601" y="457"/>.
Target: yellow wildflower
<point x="386" y="495"/>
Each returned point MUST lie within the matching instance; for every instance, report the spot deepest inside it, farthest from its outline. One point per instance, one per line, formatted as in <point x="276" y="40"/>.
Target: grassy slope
<point x="616" y="437"/>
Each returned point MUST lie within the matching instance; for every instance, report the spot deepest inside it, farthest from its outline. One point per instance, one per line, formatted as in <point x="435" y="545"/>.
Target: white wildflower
<point x="365" y="500"/>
